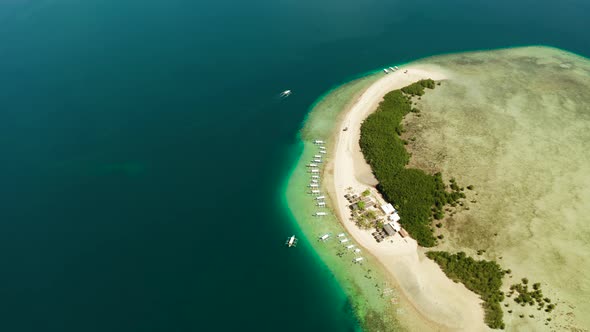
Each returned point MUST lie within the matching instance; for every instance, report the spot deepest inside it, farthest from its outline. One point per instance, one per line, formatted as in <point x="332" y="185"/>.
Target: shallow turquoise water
<point x="145" y="149"/>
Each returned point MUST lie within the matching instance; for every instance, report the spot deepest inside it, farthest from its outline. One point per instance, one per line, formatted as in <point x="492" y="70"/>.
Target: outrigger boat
<point x="291" y="241"/>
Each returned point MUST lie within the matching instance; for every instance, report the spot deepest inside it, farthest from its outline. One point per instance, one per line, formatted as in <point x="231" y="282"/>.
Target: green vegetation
<point x="417" y="89"/>
<point x="366" y="193"/>
<point x="481" y="277"/>
<point x="418" y="195"/>
<point x="526" y="296"/>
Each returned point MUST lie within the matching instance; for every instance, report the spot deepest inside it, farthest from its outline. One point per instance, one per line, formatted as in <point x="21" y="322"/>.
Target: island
<point x="456" y="179"/>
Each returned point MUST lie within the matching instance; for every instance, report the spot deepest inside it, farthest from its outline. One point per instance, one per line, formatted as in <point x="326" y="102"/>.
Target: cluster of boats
<point x="320" y="201"/>
<point x="314" y="185"/>
<point x="390" y="69"/>
<point x="314" y="169"/>
<point x="344" y="241"/>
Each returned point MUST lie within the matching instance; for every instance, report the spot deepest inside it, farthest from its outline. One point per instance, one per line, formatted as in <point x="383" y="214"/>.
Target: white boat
<point x="320" y="214"/>
<point x="350" y="246"/>
<point x="386" y="71"/>
<point x="318" y="142"/>
<point x="343" y="240"/>
<point x="315" y="192"/>
<point x="314" y="180"/>
<point x="319" y="161"/>
<point x="320" y="197"/>
<point x="341" y="235"/>
<point x="315" y="170"/>
<point x="357" y="260"/>
<point x="317" y="156"/>
<point x="324" y="237"/>
<point x="321" y="204"/>
<point x="395" y="67"/>
<point x="357" y="250"/>
<point x="322" y="151"/>
<point x="391" y="68"/>
<point x="322" y="147"/>
<point x="291" y="241"/>
<point x="312" y="165"/>
<point x="314" y="185"/>
<point x="286" y="93"/>
<point x="315" y="176"/>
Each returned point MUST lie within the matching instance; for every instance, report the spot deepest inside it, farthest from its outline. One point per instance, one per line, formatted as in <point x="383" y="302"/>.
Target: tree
<point x="361" y="205"/>
<point x="413" y="191"/>
<point x="482" y="277"/>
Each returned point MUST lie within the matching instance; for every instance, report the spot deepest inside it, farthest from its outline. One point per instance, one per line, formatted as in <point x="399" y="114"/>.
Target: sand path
<point x="445" y="305"/>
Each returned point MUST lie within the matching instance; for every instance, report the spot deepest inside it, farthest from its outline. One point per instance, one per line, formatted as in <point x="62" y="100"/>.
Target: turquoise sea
<point x="145" y="150"/>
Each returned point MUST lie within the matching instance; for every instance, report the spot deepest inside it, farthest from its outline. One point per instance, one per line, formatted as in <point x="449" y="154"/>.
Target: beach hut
<point x="388" y="228"/>
<point x="403" y="233"/>
<point x="394" y="217"/>
<point x="387" y="208"/>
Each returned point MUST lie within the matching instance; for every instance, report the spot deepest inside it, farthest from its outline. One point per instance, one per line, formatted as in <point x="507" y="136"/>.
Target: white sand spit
<point x="448" y="305"/>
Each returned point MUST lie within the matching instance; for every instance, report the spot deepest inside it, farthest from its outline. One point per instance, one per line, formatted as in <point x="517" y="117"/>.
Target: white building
<point x="394" y="217"/>
<point x="387" y="208"/>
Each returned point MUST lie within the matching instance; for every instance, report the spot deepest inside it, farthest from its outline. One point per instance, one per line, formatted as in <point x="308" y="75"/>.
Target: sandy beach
<point x="440" y="302"/>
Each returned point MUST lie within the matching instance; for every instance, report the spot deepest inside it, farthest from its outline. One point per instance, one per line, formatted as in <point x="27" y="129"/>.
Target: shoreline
<point x="435" y="298"/>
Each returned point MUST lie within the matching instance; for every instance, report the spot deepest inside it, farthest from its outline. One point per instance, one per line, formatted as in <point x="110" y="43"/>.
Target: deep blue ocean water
<point x="144" y="150"/>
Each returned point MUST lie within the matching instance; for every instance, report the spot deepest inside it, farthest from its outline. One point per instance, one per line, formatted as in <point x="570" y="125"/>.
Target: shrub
<point x="417" y="89"/>
<point x="482" y="277"/>
<point x="361" y="205"/>
<point x="413" y="190"/>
